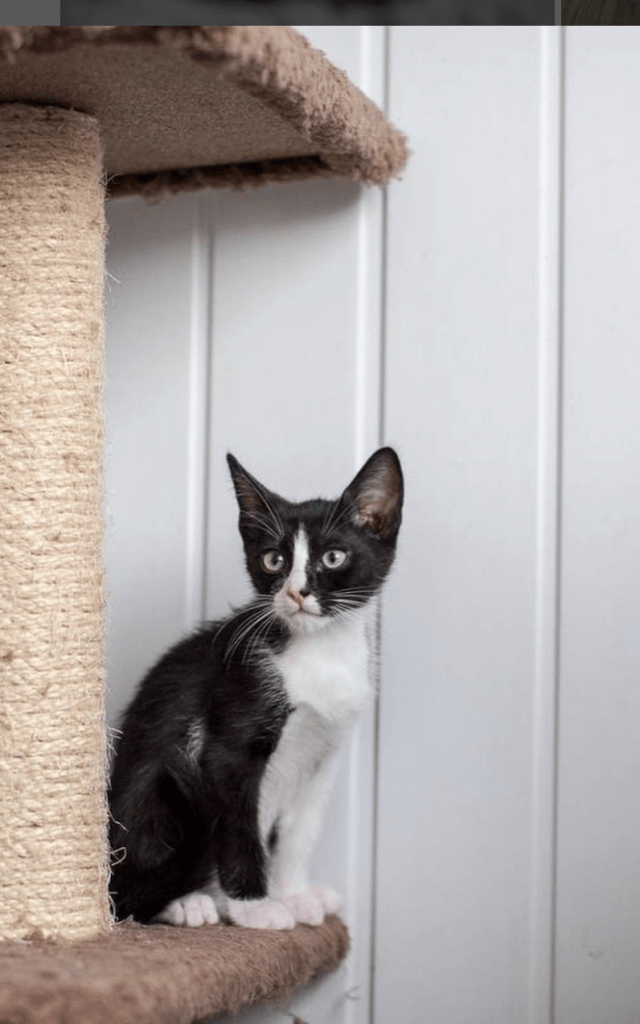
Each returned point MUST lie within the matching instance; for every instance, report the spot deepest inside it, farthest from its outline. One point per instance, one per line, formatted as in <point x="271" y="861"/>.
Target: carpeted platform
<point x="159" y="974"/>
<point x="186" y="107"/>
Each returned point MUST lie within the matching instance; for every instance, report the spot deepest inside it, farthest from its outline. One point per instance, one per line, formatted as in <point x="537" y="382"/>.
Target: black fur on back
<point x="175" y="811"/>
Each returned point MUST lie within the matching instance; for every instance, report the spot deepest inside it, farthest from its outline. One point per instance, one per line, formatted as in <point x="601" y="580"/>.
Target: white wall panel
<point x="458" y="810"/>
<point x="252" y="323"/>
<point x="155" y="355"/>
<point x="598" y="943"/>
<point x="283" y="384"/>
<point x="509" y="708"/>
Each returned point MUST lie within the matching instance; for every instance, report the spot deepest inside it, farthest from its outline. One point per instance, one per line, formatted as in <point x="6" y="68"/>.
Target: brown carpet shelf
<point x="188" y="106"/>
<point x="161" y="975"/>
<point x="124" y="110"/>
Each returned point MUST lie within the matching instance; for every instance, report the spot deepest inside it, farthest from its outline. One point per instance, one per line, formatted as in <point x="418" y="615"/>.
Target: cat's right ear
<point x="249" y="492"/>
<point x="258" y="507"/>
<point x="254" y="499"/>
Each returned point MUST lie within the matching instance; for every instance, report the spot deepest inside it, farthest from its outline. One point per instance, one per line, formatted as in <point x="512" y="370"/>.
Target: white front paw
<point x="265" y="913"/>
<point x="310" y="906"/>
<point x="329" y="898"/>
<point x="191" y="911"/>
<point x="305" y="907"/>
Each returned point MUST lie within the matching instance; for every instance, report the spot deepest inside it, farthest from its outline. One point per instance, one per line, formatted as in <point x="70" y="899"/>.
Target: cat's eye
<point x="334" y="558"/>
<point x="272" y="561"/>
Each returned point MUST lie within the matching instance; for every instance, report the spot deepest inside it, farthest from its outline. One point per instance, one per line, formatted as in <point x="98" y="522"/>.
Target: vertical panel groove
<point x="368" y="429"/>
<point x="378" y="639"/>
<point x="199" y="411"/>
<point x="385" y="249"/>
<point x="541" y="981"/>
<point x="598" y="849"/>
<point x="381" y="437"/>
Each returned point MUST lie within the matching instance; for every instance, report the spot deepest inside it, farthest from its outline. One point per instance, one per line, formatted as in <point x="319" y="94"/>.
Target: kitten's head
<point x="320" y="560"/>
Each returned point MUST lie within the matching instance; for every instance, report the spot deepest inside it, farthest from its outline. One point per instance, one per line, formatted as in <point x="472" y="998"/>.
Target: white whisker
<point x="273" y="513"/>
<point x="260" y="612"/>
<point x="256" y="640"/>
<point x="328" y="517"/>
<point x="264" y="524"/>
<point x="239" y="637"/>
<point x="334" y="520"/>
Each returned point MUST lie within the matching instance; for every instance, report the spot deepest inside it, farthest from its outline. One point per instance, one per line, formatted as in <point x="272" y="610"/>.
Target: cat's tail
<point x="157" y="838"/>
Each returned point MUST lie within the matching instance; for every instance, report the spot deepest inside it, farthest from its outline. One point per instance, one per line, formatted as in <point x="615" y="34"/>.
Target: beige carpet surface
<point x="184" y="107"/>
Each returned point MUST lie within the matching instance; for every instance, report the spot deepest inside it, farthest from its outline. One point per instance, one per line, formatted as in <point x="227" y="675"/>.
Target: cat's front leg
<point x="329" y="898"/>
<point x="261" y="913"/>
<point x="239" y="888"/>
<point x="191" y="910"/>
<point x="312" y="904"/>
<point x="296" y="837"/>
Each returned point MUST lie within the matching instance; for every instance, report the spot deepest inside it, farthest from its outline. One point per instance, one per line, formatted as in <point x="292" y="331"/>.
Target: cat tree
<point x="145" y="110"/>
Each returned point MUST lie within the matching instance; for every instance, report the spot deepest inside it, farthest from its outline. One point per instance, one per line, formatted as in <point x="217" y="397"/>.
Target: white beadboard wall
<point x="482" y="317"/>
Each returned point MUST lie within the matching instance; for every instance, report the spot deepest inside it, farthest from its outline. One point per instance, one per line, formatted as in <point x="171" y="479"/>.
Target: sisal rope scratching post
<point x="53" y="852"/>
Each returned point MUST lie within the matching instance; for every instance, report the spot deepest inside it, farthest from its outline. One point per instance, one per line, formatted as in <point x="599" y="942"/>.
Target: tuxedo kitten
<point x="228" y="749"/>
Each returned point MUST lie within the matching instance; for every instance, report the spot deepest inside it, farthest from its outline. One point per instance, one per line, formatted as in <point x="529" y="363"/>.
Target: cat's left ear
<point x="375" y="495"/>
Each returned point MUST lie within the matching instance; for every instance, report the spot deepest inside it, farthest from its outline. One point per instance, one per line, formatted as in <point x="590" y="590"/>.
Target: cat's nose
<point x="297" y="595"/>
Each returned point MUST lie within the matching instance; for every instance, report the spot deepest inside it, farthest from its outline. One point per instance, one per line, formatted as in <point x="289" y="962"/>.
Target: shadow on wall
<point x="309" y="12"/>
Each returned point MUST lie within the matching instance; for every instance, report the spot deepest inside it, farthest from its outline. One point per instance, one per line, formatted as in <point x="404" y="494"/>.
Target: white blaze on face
<point x="297" y="582"/>
<point x="292" y="600"/>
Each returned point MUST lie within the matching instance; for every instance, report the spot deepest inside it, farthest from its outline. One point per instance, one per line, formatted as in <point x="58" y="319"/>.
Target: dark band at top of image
<point x="309" y="12"/>
<point x="31" y="12"/>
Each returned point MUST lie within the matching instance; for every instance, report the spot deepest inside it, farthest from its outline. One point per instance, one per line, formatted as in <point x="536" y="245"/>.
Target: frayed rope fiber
<point x="53" y="851"/>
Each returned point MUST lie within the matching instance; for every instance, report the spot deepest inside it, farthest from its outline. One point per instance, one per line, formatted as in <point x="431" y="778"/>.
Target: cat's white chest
<point x="328" y="670"/>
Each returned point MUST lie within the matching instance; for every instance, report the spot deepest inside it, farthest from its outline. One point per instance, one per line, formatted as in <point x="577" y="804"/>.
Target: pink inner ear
<point x="380" y="492"/>
<point x="376" y="509"/>
<point x="249" y="498"/>
<point x="374" y="496"/>
<point x="247" y="495"/>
